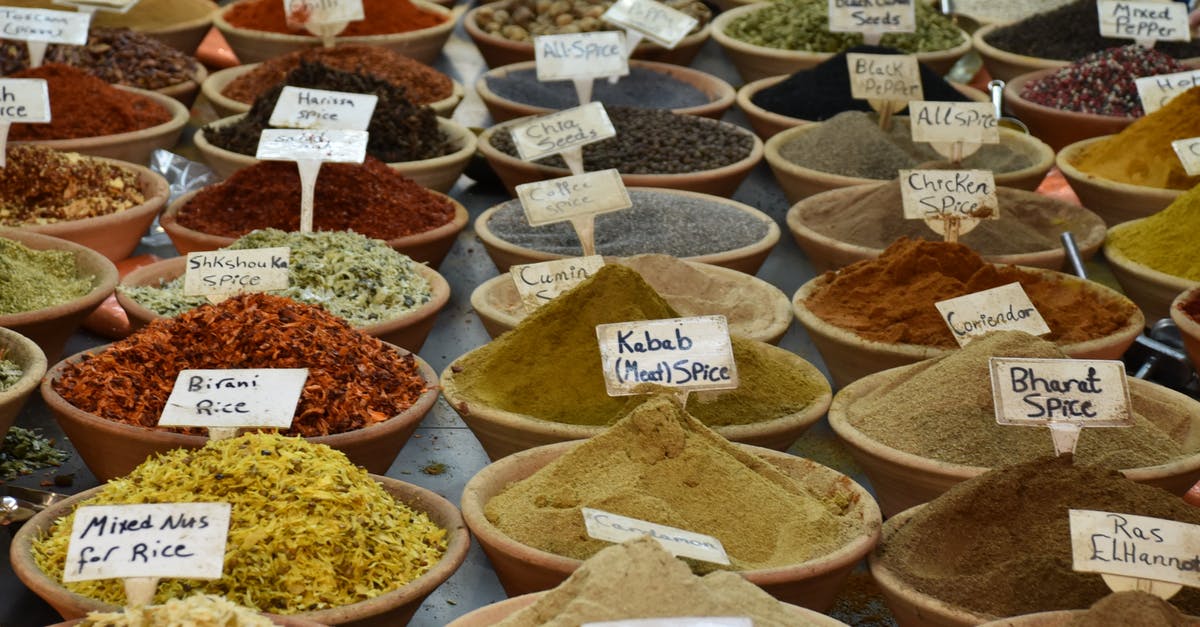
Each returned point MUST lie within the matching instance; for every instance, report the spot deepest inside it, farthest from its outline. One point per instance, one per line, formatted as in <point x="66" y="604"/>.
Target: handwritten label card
<point x="1188" y="151"/>
<point x="235" y="397"/>
<point x="298" y="107"/>
<point x="1136" y="547"/>
<point x="557" y="132"/>
<point x="653" y="20"/>
<point x="225" y="272"/>
<point x="555" y="200"/>
<point x="954" y="129"/>
<point x="597" y="54"/>
<point x="323" y="18"/>
<point x="335" y="146"/>
<point x="872" y="17"/>
<point x="687" y="353"/>
<point x="893" y="77"/>
<point x="957" y="199"/>
<point x="683" y="621"/>
<point x="540" y="283"/>
<point x="91" y="6"/>
<point x="609" y="527"/>
<point x="1145" y="22"/>
<point x="56" y="27"/>
<point x="1156" y="91"/>
<point x="182" y="540"/>
<point x="24" y="100"/>
<point x="1004" y="308"/>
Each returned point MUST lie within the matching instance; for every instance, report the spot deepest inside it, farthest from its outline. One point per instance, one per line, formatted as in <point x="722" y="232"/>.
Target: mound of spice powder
<point x="1102" y="83"/>
<point x="891" y="299"/>
<point x="399" y="130"/>
<point x="308" y="530"/>
<point x="421" y="83"/>
<point x="354" y="380"/>
<point x="381" y="18"/>
<point x="1000" y="544"/>
<point x="804" y="25"/>
<point x="114" y="55"/>
<point x="660" y="465"/>
<point x="10" y="371"/>
<point x="82" y="105"/>
<point x="371" y="199"/>
<point x="38" y="279"/>
<point x="1132" y="607"/>
<point x="1068" y="33"/>
<point x="39" y="185"/>
<point x="198" y="607"/>
<point x="1005" y="10"/>
<point x="1166" y="240"/>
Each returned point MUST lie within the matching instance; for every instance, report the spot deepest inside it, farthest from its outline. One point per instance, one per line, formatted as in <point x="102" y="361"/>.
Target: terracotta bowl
<point x="491" y="614"/>
<point x="755" y="62"/>
<point x="183" y="35"/>
<point x="799" y="182"/>
<point x="1114" y="201"/>
<point x="51" y="328"/>
<point x="498" y="51"/>
<point x="254" y="46"/>
<point x="115" y="235"/>
<point x="1005" y="65"/>
<point x="186" y="35"/>
<point x="227" y="107"/>
<point x="429" y="247"/>
<point x="747" y="259"/>
<point x="523" y="569"/>
<point x="134" y="146"/>
<point x="828" y="253"/>
<point x="722" y="181"/>
<point x="437" y="173"/>
<point x="503" y="433"/>
<point x="393" y="608"/>
<point x="284" y="621"/>
<point x="186" y="91"/>
<point x="902" y="480"/>
<point x="1189" y="328"/>
<point x="720" y="94"/>
<point x="113" y="449"/>
<point x="408" y="330"/>
<point x="1057" y="127"/>
<point x="850" y="357"/>
<point x="498" y="304"/>
<point x="1150" y="289"/>
<point x="29" y="357"/>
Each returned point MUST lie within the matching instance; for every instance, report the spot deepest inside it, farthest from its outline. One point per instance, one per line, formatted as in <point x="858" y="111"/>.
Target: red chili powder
<point x="382" y="17"/>
<point x="82" y="105"/>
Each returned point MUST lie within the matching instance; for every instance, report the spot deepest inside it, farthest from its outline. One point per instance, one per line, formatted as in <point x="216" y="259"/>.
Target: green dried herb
<point x="804" y="25"/>
<point x="10" y="372"/>
<point x="24" y="451"/>
<point x="37" y="279"/>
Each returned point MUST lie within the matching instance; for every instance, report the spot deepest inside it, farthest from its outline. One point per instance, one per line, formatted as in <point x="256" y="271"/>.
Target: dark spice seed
<point x="641" y="88"/>
<point x="114" y="55"/>
<point x="1102" y="82"/>
<point x="1070" y="32"/>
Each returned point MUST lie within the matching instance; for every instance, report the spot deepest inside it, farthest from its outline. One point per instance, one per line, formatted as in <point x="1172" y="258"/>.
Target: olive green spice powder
<point x="37" y="279"/>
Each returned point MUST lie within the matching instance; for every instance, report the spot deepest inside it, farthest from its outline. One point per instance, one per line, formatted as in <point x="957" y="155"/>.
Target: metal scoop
<point x="996" y="89"/>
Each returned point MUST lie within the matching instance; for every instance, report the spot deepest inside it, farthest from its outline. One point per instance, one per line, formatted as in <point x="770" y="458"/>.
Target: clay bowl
<point x="438" y="173"/>
<point x="115" y="235"/>
<point x="183" y="35"/>
<point x="902" y="480"/>
<point x="503" y="433"/>
<point x="226" y="106"/>
<point x="1057" y="127"/>
<point x="254" y="46"/>
<point x="393" y="608"/>
<point x="498" y="304"/>
<point x="828" y="253"/>
<point x="1188" y="327"/>
<point x="112" y="449"/>
<point x="523" y="569"/>
<point x="799" y="182"/>
<point x="850" y="357"/>
<point x="186" y="35"/>
<point x="754" y="62"/>
<point x="134" y="146"/>
<point x="408" y="330"/>
<point x="1005" y="65"/>
<point x="428" y="247"/>
<point x="720" y="94"/>
<point x="747" y="259"/>
<point x="1150" y="289"/>
<point x="284" y="621"/>
<point x="498" y="51"/>
<point x="722" y="181"/>
<point x="51" y="328"/>
<point x="186" y="91"/>
<point x="491" y="614"/>
<point x="31" y="360"/>
<point x="1114" y="201"/>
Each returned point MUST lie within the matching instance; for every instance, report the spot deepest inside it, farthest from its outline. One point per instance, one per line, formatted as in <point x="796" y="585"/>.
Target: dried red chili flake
<point x="82" y="105"/>
<point x="1103" y="82"/>
<point x="354" y="380"/>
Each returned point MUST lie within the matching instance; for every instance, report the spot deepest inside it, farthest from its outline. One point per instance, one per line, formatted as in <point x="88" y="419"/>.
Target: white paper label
<point x="1135" y="546"/>
<point x="609" y="527"/>
<point x="245" y="397"/>
<point x="872" y="16"/>
<point x="973" y="122"/>
<point x="183" y="540"/>
<point x="1144" y="21"/>
<point x="1156" y="91"/>
<point x="233" y="271"/>
<point x="580" y="55"/>
<point x="968" y="194"/>
<point x="570" y="128"/>
<point x="684" y="353"/>
<point x="564" y="198"/>
<point x="1086" y="392"/>
<point x="683" y="621"/>
<point x="323" y="11"/>
<point x="656" y="21"/>
<point x="286" y="144"/>
<point x="24" y="100"/>
<point x="1188" y="151"/>
<point x="540" y="283"/>
<point x="56" y="27"/>
<point x="1004" y="308"/>
<point x="884" y="77"/>
<point x="298" y="107"/>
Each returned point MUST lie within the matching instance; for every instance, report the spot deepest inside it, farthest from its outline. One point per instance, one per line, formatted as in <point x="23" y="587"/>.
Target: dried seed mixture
<point x="40" y="185"/>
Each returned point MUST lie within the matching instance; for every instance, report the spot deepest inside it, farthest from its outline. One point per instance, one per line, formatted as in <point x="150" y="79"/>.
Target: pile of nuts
<point x="522" y="20"/>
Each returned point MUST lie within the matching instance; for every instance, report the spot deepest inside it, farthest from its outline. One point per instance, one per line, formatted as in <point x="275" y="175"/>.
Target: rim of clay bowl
<point x="29" y="357"/>
<point x="484" y="303"/>
<point x="1057" y="618"/>
<point x="86" y="260"/>
<point x="521" y="465"/>
<point x="1012" y="93"/>
<point x="1187" y="325"/>
<point x="440" y="511"/>
<point x="733" y="258"/>
<point x="282" y="621"/>
<point x="153" y="187"/>
<point x="179" y="117"/>
<point x="1065" y="160"/>
<point x="196" y="23"/>
<point x="1140" y="270"/>
<point x="998" y="60"/>
<point x="109" y="432"/>
<point x="475" y="413"/>
<point x="831" y="251"/>
<point x="185" y="91"/>
<point x="720" y="94"/>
